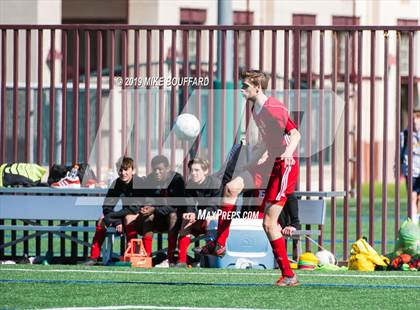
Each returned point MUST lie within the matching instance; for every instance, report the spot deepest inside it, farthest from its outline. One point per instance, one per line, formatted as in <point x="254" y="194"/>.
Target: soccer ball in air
<point x="325" y="257"/>
<point x="187" y="126"/>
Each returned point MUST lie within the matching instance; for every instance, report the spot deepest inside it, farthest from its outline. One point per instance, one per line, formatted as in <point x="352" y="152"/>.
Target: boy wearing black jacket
<point x="125" y="187"/>
<point x="164" y="185"/>
<point x="199" y="186"/>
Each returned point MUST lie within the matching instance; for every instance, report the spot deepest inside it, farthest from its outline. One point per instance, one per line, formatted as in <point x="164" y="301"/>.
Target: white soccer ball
<point x="187" y="126"/>
<point x="325" y="257"/>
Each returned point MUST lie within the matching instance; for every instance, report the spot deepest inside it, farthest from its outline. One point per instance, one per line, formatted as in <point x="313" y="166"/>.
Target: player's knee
<point x="269" y="226"/>
<point x="232" y="190"/>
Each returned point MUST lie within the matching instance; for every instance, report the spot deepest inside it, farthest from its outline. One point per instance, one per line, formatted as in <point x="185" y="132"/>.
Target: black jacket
<point x="173" y="186"/>
<point x="131" y="198"/>
<point x="210" y="189"/>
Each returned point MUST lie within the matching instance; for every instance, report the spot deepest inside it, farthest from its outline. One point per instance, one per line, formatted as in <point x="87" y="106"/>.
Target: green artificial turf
<point x="189" y="288"/>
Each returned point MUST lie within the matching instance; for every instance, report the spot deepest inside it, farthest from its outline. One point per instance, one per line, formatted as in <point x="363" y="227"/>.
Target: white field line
<point x="403" y="276"/>
<point x="148" y="307"/>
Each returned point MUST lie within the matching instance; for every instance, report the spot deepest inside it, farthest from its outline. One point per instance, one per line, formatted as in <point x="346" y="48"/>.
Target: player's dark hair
<point x="160" y="159"/>
<point x="124" y="163"/>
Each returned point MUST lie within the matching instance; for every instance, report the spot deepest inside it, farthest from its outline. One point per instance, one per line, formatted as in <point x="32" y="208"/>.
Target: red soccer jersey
<point x="273" y="123"/>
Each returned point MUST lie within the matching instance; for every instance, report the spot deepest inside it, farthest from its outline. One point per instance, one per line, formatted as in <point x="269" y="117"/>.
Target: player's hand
<point x="147" y="210"/>
<point x="288" y="231"/>
<point x="288" y="159"/>
<point x="263" y="158"/>
<point x="190" y="217"/>
<point x="119" y="228"/>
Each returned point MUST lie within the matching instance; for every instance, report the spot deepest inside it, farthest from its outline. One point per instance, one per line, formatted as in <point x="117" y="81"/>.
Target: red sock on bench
<point x="147" y="243"/>
<point x="130" y="232"/>
<point x="98" y="240"/>
<point x="183" y="244"/>
<point x="280" y="253"/>
<point x="224" y="223"/>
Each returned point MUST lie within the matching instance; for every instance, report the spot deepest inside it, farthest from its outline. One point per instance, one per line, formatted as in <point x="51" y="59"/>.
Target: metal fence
<point x="47" y="117"/>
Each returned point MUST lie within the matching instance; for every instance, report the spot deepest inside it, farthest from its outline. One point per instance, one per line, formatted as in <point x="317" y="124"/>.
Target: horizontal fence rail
<point x="77" y="93"/>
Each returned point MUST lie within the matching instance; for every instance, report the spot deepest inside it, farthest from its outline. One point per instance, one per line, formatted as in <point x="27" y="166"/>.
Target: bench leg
<point x="107" y="251"/>
<point x="298" y="248"/>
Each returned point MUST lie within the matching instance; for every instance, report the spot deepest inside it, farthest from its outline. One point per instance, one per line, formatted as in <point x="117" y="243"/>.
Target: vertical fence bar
<point x="236" y="133"/>
<point x="86" y="148"/>
<point x="248" y="51"/>
<point x="64" y="100"/>
<point x="136" y="96"/>
<point x="174" y="111"/>
<point x="410" y="125"/>
<point x="27" y="156"/>
<point x="286" y="68"/>
<point x="39" y="100"/>
<point x="87" y="97"/>
<point x="51" y="156"/>
<point x="384" y="148"/>
<point x="124" y="136"/>
<point x="359" y="125"/>
<point x="210" y="117"/>
<point x="308" y="114"/>
<point x="333" y="146"/>
<point x="75" y="155"/>
<point x="27" y="96"/>
<point x="111" y="100"/>
<point x="321" y="111"/>
<point x="63" y="120"/>
<point x="149" y="100"/>
<point x="98" y="107"/>
<point x="397" y="135"/>
<point x="75" y="75"/>
<point x="261" y="60"/>
<point x="273" y="62"/>
<point x="223" y="94"/>
<point x="297" y="85"/>
<point x="185" y="72"/>
<point x="320" y="124"/>
<point x="15" y="93"/>
<point x="3" y="95"/>
<point x="372" y="139"/>
<point x="346" y="145"/>
<point x="198" y="90"/>
<point x="161" y="93"/>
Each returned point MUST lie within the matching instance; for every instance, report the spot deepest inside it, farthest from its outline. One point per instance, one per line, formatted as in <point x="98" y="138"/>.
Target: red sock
<point x="147" y="243"/>
<point x="280" y="253"/>
<point x="171" y="246"/>
<point x="224" y="223"/>
<point x="183" y="244"/>
<point x="98" y="240"/>
<point x="130" y="232"/>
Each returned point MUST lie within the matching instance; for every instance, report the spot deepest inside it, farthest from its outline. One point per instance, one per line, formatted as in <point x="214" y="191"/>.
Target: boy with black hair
<point x="162" y="183"/>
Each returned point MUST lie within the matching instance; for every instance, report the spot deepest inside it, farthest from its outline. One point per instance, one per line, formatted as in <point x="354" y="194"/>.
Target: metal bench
<point x="311" y="212"/>
<point x="32" y="205"/>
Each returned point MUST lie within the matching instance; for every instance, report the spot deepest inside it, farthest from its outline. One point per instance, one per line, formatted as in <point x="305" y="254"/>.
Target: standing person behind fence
<point x="280" y="170"/>
<point x="415" y="194"/>
<point x="124" y="188"/>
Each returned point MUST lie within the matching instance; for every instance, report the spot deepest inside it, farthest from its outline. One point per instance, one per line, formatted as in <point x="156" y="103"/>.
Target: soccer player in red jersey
<point x="278" y="173"/>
